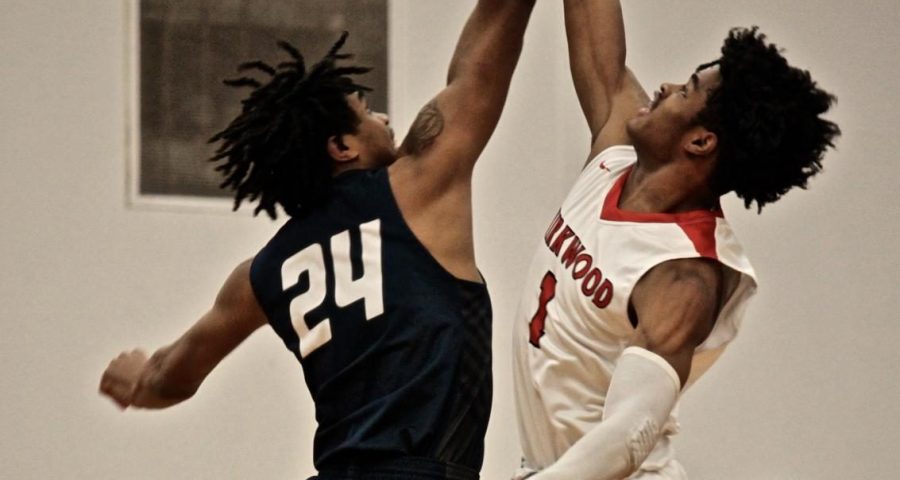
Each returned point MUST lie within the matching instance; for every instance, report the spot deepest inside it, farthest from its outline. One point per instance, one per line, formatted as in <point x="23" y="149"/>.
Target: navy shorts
<point x="407" y="468"/>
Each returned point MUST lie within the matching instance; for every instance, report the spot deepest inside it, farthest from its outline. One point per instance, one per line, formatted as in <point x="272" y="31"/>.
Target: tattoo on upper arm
<point x="425" y="129"/>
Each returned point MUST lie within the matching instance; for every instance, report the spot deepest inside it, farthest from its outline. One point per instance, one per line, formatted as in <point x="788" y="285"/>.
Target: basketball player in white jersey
<point x="639" y="283"/>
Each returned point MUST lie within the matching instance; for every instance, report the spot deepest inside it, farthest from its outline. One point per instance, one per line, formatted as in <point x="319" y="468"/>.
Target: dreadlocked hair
<point x="767" y="116"/>
<point x="275" y="150"/>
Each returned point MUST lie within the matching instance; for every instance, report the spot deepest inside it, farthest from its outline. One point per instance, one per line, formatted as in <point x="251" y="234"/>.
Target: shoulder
<point x="238" y="282"/>
<point x="688" y="273"/>
<point x="237" y="296"/>
<point x="677" y="302"/>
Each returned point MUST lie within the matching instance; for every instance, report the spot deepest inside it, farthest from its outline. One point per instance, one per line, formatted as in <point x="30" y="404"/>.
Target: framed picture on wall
<point x="180" y="52"/>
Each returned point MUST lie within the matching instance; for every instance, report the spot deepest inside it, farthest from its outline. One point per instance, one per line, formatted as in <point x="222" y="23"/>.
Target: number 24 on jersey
<point x="311" y="260"/>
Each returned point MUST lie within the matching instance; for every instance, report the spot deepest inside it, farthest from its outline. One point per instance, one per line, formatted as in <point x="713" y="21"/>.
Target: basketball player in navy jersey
<point x="639" y="283"/>
<point x="372" y="282"/>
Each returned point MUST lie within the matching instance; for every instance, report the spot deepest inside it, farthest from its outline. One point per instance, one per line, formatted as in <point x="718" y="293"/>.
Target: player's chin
<point x="634" y="126"/>
<point x="389" y="158"/>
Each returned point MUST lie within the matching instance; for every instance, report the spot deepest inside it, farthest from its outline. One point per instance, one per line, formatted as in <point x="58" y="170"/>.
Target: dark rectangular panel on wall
<point x="187" y="47"/>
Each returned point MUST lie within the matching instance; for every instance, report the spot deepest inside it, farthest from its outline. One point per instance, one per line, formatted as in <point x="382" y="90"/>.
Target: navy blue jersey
<point x="394" y="349"/>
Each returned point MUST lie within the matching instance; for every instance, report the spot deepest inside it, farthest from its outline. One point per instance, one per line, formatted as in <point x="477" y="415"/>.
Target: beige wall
<point x="808" y="391"/>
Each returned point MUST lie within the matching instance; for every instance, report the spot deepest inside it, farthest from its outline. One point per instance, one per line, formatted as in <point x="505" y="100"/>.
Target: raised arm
<point x="174" y="373"/>
<point x="451" y="131"/>
<point x="607" y="91"/>
<point x="432" y="179"/>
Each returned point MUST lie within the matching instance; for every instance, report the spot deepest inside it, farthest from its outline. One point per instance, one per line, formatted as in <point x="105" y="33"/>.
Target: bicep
<point x="451" y="131"/>
<point x="445" y="140"/>
<point x="235" y="314"/>
<point x="676" y="305"/>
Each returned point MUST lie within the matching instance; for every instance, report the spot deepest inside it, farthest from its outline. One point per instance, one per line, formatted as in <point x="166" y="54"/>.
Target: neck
<point x="668" y="187"/>
<point x="342" y="167"/>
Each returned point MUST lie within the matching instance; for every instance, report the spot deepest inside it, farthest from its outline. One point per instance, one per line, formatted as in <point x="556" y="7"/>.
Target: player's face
<point x="672" y="110"/>
<point x="374" y="135"/>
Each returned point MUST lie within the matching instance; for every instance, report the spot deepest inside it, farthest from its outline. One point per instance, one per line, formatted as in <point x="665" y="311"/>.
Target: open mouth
<point x="652" y="104"/>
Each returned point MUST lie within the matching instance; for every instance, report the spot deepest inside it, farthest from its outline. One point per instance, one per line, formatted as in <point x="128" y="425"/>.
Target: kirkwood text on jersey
<point x="579" y="263"/>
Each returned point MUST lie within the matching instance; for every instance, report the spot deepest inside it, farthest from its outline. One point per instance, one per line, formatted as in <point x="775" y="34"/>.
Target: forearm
<point x="174" y="373"/>
<point x="491" y="42"/>
<point x="642" y="394"/>
<point x="597" y="456"/>
<point x="160" y="383"/>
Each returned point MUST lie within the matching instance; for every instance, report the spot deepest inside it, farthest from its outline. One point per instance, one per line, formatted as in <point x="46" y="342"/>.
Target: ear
<point x="339" y="151"/>
<point x="701" y="142"/>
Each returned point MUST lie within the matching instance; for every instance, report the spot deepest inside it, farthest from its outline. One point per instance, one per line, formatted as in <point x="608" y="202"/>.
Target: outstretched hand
<point x="121" y="377"/>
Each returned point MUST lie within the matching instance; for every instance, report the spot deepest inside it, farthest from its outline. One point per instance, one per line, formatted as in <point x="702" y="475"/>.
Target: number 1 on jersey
<point x="536" y="326"/>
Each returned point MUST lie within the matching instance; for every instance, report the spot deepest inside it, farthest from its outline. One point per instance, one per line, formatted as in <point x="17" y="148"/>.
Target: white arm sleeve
<point x="642" y="393"/>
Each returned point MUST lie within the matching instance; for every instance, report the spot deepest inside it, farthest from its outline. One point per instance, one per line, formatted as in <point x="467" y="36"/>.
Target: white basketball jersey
<point x="572" y="322"/>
